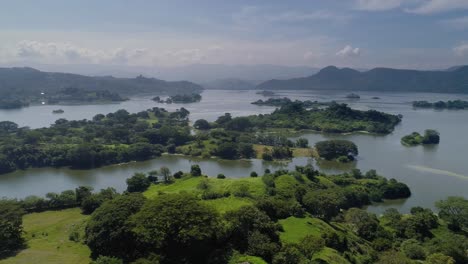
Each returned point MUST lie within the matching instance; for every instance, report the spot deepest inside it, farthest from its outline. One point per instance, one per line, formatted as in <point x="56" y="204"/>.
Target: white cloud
<point x="349" y="51"/>
<point x="378" y="5"/>
<point x="438" y="6"/>
<point x="294" y="16"/>
<point x="413" y="6"/>
<point x="461" y="50"/>
<point x="252" y="17"/>
<point x="459" y="23"/>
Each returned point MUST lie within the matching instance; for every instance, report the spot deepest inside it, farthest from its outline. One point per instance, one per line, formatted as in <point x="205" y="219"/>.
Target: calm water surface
<point x="432" y="173"/>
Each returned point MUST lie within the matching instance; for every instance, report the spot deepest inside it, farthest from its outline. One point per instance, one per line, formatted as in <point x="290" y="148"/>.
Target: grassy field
<point x="297" y="152"/>
<point x="254" y="186"/>
<point x="296" y="228"/>
<point x="47" y="236"/>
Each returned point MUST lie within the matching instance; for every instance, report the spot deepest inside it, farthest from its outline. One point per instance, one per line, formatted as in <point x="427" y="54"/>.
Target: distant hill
<point x="31" y="82"/>
<point x="230" y="84"/>
<point x="198" y="73"/>
<point x="378" y="79"/>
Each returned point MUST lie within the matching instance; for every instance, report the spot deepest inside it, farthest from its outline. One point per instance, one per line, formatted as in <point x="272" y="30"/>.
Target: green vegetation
<point x="340" y="150"/>
<point x="284" y="101"/>
<point x="336" y="118"/>
<point x="298" y="216"/>
<point x="77" y="95"/>
<point x="53" y="237"/>
<point x="106" y="139"/>
<point x="179" y="99"/>
<point x="430" y="137"/>
<point x="454" y="105"/>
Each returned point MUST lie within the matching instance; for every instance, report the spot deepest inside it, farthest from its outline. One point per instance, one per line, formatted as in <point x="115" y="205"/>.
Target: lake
<point x="432" y="172"/>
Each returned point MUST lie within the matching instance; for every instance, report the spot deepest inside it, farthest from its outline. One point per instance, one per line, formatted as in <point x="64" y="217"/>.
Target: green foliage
<point x="195" y="170"/>
<point x="413" y="249"/>
<point x="107" y="260"/>
<point x="114" y="138"/>
<point x="430" y="137"/>
<point x="334" y="149"/>
<point x="139" y="182"/>
<point x="108" y="232"/>
<point x="11" y="226"/>
<point x="454" y="210"/>
<point x="201" y="124"/>
<point x="178" y="227"/>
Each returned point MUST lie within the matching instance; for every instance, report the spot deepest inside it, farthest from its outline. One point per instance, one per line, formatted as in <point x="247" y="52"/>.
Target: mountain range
<point x="453" y="80"/>
<point x="28" y="82"/>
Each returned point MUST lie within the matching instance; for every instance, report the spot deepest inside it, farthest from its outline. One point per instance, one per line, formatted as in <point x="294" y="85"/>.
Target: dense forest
<point x="282" y="217"/>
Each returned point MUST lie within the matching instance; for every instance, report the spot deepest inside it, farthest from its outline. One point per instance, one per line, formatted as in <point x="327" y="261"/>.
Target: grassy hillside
<point x="47" y="237"/>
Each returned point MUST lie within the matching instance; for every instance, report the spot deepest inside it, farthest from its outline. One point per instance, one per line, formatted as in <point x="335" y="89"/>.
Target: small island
<point x="430" y="137"/>
<point x="338" y="150"/>
<point x="353" y="96"/>
<point x="266" y="93"/>
<point x="376" y="98"/>
<point x="453" y="105"/>
<point x="284" y="101"/>
<point x="72" y="95"/>
<point x="58" y="111"/>
<point x="179" y="99"/>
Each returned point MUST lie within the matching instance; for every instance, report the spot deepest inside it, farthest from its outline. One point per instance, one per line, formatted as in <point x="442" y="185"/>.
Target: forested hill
<point x="378" y="79"/>
<point x="30" y="82"/>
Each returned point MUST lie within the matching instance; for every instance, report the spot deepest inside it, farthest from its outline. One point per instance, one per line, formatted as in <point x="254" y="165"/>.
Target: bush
<point x="413" y="249"/>
<point x="253" y="174"/>
<point x="221" y="176"/>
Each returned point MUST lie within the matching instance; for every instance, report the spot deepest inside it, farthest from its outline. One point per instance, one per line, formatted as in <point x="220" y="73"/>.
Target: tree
<point x="454" y="210"/>
<point x="166" y="173"/>
<point x="302" y="143"/>
<point x="108" y="232"/>
<point x="195" y="170"/>
<point x="246" y="220"/>
<point x="431" y="137"/>
<point x="363" y="223"/>
<point x="11" y="226"/>
<point x="227" y="150"/>
<point x="202" y="124"/>
<point x="413" y="249"/>
<point x="333" y="149"/>
<point x="107" y="260"/>
<point x="178" y="227"/>
<point x="438" y="258"/>
<point x="82" y="193"/>
<point x="324" y="204"/>
<point x="138" y="183"/>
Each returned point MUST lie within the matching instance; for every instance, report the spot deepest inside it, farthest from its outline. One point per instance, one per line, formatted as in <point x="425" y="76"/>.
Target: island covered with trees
<point x="454" y="105"/>
<point x="281" y="217"/>
<point x="284" y="101"/>
<point x="339" y="150"/>
<point x="430" y="137"/>
<point x="122" y="137"/>
<point x="72" y="95"/>
<point x="179" y="99"/>
<point x="336" y="118"/>
<point x="106" y="139"/>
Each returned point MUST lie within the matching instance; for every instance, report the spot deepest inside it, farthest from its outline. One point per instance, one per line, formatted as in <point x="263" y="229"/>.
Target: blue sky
<point x="422" y="34"/>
